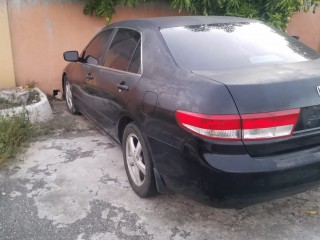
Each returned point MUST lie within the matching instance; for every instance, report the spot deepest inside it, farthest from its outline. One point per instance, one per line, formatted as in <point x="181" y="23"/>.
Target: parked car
<point x="224" y="110"/>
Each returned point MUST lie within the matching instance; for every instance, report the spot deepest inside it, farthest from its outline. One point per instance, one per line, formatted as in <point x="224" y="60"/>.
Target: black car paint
<point x="214" y="172"/>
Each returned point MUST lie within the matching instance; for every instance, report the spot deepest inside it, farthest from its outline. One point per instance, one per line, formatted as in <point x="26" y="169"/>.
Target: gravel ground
<point x="72" y="185"/>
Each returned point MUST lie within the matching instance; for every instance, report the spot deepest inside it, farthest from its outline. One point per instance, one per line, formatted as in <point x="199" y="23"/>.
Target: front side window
<point x="124" y="48"/>
<point x="97" y="45"/>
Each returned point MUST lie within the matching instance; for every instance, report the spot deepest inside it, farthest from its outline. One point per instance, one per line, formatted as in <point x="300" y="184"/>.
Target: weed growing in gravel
<point x="14" y="132"/>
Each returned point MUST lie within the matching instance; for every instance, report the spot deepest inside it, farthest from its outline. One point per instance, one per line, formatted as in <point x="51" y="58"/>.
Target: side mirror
<point x="71" y="56"/>
<point x="92" y="60"/>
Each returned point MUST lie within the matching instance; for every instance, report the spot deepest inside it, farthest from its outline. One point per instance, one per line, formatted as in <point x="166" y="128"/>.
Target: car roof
<point x="178" y="21"/>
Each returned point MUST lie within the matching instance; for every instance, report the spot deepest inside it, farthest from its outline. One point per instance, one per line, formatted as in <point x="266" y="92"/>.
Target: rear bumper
<point x="234" y="180"/>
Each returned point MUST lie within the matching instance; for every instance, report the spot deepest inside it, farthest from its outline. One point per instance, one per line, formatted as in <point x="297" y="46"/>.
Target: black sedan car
<point x="224" y="110"/>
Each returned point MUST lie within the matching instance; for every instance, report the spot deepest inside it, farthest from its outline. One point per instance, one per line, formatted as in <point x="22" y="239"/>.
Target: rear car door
<point x="116" y="80"/>
<point x="85" y="70"/>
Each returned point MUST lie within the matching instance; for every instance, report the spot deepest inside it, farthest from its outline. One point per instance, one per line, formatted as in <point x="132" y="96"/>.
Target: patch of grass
<point x="4" y="104"/>
<point x="14" y="132"/>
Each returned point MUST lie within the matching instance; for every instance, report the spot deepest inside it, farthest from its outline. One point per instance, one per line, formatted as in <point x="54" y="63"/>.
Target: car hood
<point x="271" y="88"/>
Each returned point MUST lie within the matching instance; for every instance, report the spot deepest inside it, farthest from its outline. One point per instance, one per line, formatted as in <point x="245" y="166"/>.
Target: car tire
<point x="69" y="97"/>
<point x="138" y="163"/>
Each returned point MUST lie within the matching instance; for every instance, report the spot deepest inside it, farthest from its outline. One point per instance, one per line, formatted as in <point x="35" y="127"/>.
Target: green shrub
<point x="276" y="12"/>
<point x="14" y="132"/>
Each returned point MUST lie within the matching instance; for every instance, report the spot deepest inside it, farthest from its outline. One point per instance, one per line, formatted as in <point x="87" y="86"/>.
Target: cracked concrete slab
<point x="73" y="185"/>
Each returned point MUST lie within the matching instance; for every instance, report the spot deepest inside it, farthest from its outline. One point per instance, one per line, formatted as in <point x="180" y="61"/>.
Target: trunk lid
<point x="276" y="88"/>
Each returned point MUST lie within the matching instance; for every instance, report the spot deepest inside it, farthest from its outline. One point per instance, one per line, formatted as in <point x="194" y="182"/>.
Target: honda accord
<point x="224" y="110"/>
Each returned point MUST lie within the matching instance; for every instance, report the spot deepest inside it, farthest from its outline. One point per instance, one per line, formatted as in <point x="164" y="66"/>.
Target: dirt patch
<point x="63" y="121"/>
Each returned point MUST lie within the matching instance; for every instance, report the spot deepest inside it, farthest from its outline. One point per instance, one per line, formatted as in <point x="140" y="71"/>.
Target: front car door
<point x="118" y="77"/>
<point x="85" y="70"/>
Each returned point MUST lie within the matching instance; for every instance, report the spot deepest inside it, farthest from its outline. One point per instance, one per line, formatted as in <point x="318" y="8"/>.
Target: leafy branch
<point x="277" y="12"/>
<point x="106" y="8"/>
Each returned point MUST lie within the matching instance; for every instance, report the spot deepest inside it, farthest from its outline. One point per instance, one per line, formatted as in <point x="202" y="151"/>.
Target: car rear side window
<point x="233" y="45"/>
<point x="135" y="65"/>
<point x="122" y="50"/>
<point x="97" y="45"/>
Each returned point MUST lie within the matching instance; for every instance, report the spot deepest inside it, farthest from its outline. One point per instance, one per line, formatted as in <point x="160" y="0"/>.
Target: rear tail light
<point x="235" y="127"/>
<point x="211" y="126"/>
<point x="269" y="125"/>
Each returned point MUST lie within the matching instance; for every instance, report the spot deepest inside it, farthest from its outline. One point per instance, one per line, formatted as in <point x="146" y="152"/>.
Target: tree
<point x="276" y="12"/>
<point x="106" y="8"/>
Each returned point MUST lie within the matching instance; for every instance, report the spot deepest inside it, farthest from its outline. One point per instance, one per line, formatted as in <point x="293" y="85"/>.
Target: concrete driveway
<point x="72" y="185"/>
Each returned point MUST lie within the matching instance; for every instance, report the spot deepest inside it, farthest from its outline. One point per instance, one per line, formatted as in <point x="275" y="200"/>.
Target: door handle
<point x="90" y="76"/>
<point x="122" y="86"/>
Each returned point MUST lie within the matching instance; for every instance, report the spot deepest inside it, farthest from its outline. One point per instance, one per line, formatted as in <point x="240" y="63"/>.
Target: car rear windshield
<point x="231" y="45"/>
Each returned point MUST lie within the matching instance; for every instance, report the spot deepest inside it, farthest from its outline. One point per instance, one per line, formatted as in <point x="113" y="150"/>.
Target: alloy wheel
<point x="69" y="95"/>
<point x="135" y="160"/>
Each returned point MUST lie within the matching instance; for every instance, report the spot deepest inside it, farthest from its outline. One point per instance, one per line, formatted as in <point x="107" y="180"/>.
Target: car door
<point x="85" y="71"/>
<point x="119" y="76"/>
